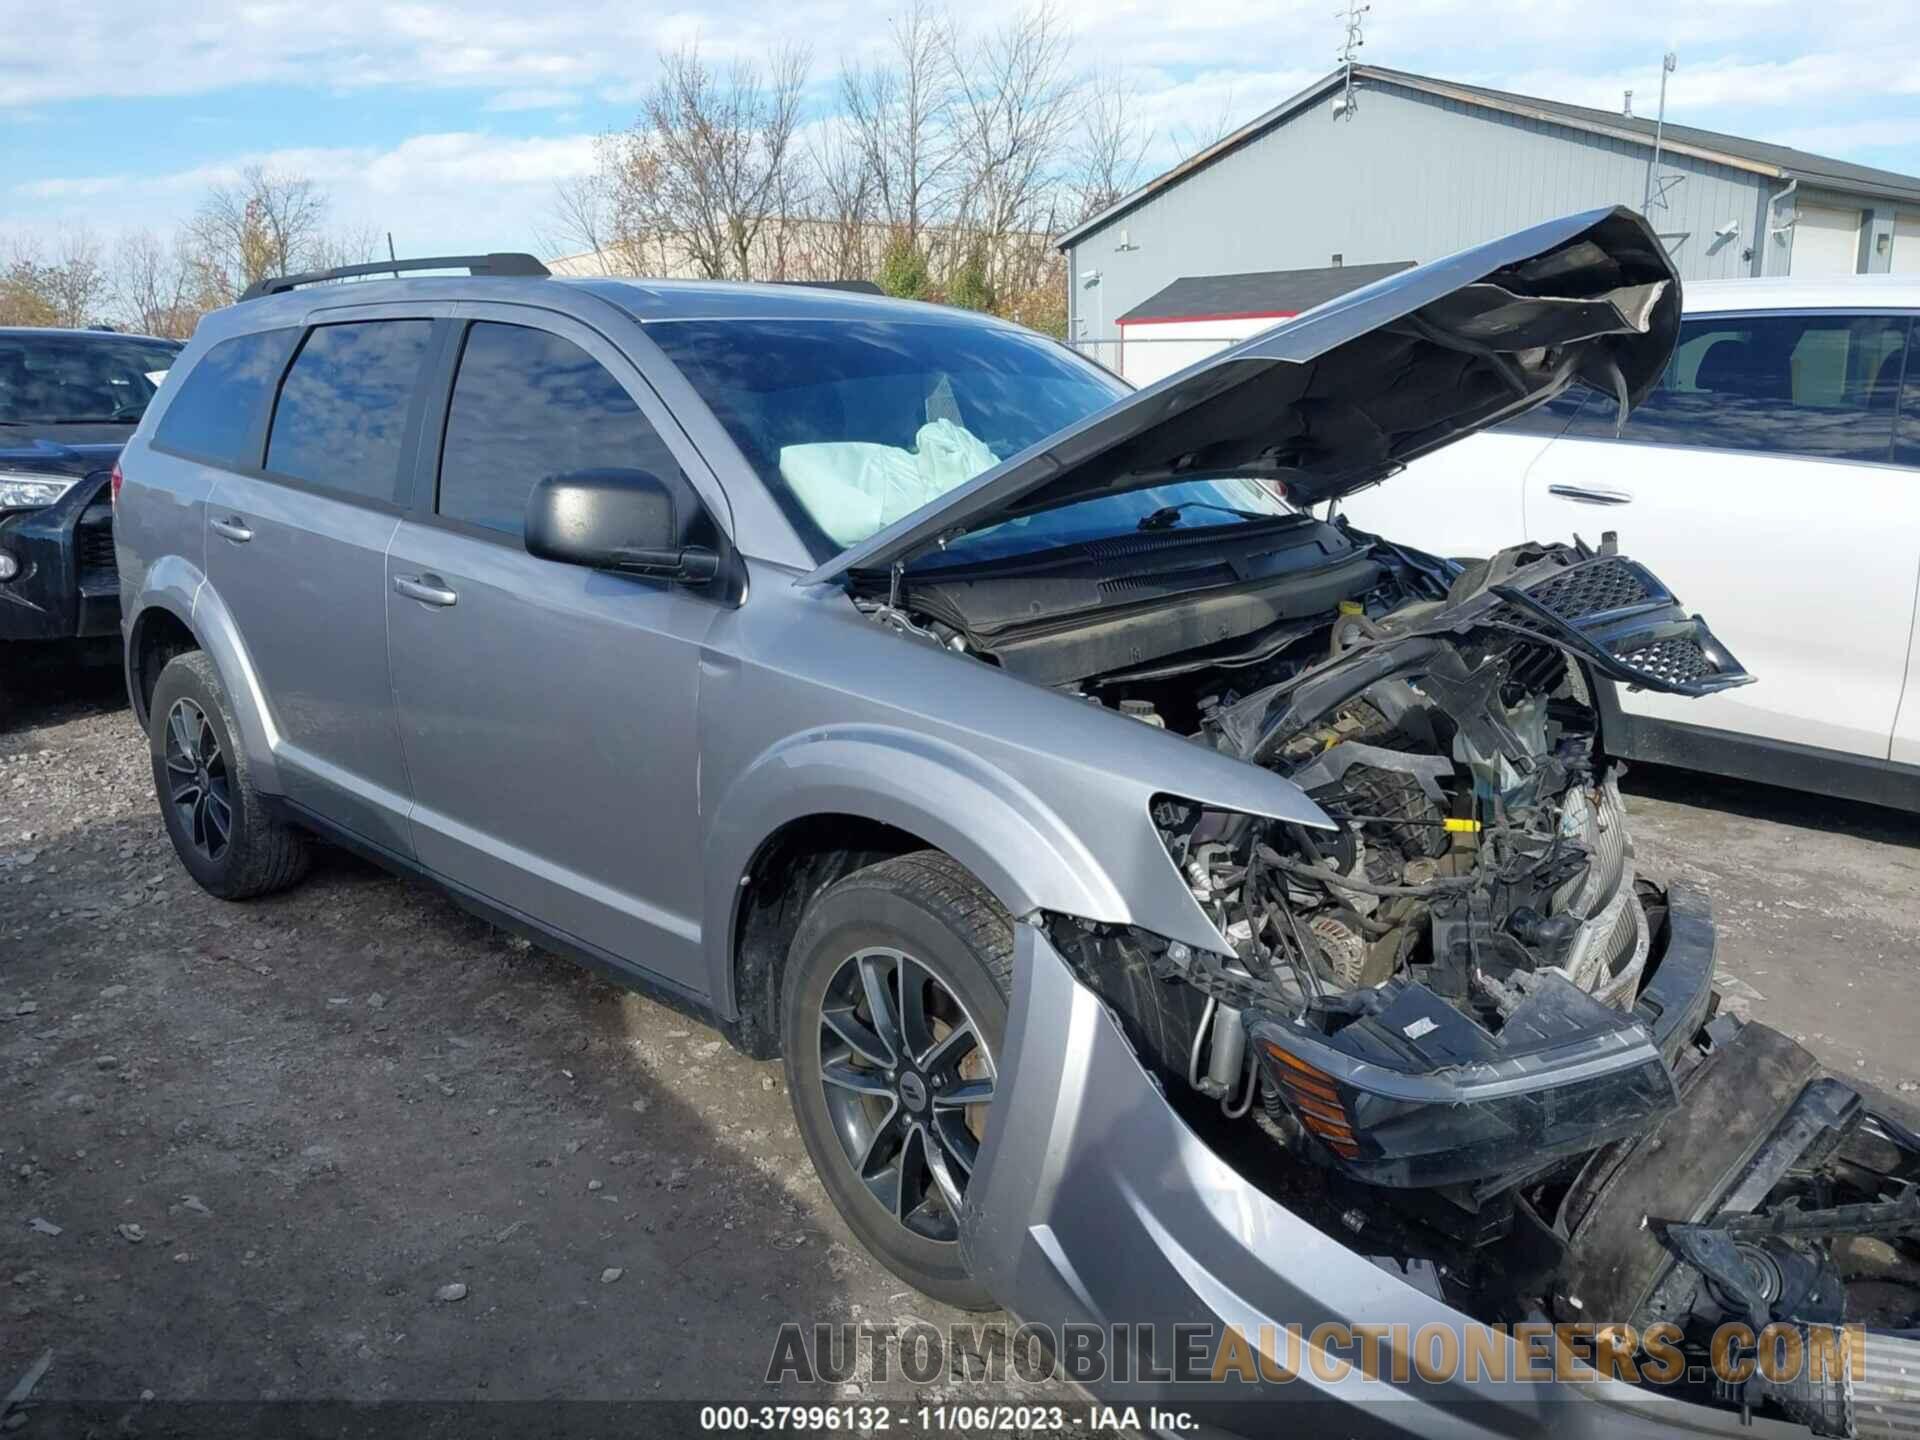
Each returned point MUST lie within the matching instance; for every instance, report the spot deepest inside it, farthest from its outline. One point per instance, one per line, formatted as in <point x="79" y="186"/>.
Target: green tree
<point x="903" y="270"/>
<point x="972" y="287"/>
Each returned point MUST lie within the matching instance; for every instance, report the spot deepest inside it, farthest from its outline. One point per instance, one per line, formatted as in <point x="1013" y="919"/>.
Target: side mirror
<point x="626" y="520"/>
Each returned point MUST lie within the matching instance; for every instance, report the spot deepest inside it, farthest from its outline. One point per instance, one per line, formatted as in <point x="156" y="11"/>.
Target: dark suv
<point x="69" y="400"/>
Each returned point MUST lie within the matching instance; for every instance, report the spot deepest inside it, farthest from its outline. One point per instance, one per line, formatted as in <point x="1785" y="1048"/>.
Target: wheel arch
<point x="193" y="610"/>
<point x="824" y="803"/>
<point x="158" y="633"/>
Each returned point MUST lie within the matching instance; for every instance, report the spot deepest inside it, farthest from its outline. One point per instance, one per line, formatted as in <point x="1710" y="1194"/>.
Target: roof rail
<point x="510" y="262"/>
<point x="852" y="287"/>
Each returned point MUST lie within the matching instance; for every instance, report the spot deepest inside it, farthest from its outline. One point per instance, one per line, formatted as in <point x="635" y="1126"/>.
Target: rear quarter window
<point x="219" y="413"/>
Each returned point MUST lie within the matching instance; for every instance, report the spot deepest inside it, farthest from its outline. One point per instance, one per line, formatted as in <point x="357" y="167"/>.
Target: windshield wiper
<point x="1168" y="516"/>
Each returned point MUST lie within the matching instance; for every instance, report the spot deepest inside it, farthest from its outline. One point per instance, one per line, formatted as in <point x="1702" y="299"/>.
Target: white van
<point x="1775" y="469"/>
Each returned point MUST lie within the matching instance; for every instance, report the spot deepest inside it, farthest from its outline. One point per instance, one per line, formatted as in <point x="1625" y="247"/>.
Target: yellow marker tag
<point x="1352" y="607"/>
<point x="1462" y="827"/>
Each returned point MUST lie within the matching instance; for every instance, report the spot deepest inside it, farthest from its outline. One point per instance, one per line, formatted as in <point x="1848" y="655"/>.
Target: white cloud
<point x="510" y="100"/>
<point x="133" y="47"/>
<point x="1840" y="77"/>
<point x="456" y="191"/>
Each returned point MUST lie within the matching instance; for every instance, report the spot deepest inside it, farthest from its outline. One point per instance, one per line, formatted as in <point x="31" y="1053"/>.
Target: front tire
<point x="894" y="1012"/>
<point x="217" y="821"/>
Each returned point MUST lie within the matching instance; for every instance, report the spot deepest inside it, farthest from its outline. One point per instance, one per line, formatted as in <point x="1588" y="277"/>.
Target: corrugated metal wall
<point x="1408" y="176"/>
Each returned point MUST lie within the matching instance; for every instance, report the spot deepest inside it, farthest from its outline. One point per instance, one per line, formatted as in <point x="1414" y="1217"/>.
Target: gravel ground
<point x="269" y="1135"/>
<point x="244" y="1148"/>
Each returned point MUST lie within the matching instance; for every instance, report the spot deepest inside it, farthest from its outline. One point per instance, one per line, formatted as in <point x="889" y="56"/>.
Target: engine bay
<point x="1459" y="1030"/>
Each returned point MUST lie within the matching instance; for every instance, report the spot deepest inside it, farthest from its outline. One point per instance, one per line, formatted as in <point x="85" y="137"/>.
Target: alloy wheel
<point x="907" y="1077"/>
<point x="198" y="782"/>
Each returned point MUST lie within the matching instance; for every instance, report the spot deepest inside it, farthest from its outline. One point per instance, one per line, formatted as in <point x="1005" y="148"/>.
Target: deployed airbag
<point x="853" y="487"/>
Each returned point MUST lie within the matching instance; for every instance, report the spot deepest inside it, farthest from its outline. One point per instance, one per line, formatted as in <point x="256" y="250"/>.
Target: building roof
<point x="1778" y="162"/>
<point x="1256" y="294"/>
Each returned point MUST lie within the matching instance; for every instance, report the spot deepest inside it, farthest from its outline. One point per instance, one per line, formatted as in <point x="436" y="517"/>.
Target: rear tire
<point x="219" y="825"/>
<point x="894" y="1124"/>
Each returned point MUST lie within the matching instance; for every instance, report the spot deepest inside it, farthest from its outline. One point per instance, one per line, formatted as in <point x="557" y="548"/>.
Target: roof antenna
<point x="1354" y="17"/>
<point x="1668" y="63"/>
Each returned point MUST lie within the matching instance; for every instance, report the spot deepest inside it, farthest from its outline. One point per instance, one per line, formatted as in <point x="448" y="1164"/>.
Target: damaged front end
<point x="1461" y="1029"/>
<point x="1453" y="1034"/>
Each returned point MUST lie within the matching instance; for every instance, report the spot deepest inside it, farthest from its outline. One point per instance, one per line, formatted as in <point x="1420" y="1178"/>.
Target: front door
<point x="548" y="710"/>
<point x="298" y="555"/>
<point x="1758" y="482"/>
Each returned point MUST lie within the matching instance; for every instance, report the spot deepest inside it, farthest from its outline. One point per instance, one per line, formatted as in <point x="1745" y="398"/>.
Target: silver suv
<point x="1172" y="905"/>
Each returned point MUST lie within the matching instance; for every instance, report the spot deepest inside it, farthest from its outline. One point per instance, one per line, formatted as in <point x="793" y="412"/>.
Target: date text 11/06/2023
<point x="969" y="1419"/>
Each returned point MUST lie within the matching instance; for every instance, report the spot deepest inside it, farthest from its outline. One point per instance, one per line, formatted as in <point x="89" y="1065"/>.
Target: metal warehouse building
<point x="1348" y="181"/>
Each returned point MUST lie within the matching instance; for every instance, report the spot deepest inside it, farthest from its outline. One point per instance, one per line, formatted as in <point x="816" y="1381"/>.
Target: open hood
<point x="1346" y="394"/>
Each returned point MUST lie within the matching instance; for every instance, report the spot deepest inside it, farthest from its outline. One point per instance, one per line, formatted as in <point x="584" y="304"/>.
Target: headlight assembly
<point x="23" y="490"/>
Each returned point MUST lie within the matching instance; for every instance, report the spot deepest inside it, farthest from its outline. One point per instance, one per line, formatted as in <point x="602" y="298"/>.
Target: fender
<point x="1023" y="852"/>
<point x="1087" y="848"/>
<point x="179" y="587"/>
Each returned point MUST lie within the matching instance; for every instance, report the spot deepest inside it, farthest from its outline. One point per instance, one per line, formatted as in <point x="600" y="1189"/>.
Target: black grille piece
<point x="93" y="545"/>
<point x="1678" y="658"/>
<point x="1592" y="589"/>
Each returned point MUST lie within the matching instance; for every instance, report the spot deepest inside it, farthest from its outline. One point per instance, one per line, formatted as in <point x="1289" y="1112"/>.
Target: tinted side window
<point x="217" y="413"/>
<point x="527" y="404"/>
<point x="1906" y="442"/>
<point x="342" y="414"/>
<point x="1824" y="386"/>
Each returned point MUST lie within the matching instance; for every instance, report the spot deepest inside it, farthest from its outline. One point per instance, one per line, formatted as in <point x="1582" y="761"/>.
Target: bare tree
<point x="69" y="288"/>
<point x="1013" y="113"/>
<point x="77" y="279"/>
<point x="900" y="113"/>
<point x="839" y="235"/>
<point x="1109" y="145"/>
<point x="357" y="246"/>
<point x="265" y="223"/>
<point x="1191" y="139"/>
<point x="158" y="287"/>
<point x="708" y="164"/>
<point x="582" y="221"/>
<point x="23" y="289"/>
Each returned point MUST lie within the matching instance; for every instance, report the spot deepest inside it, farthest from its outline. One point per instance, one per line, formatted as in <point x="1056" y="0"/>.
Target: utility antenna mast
<point x="1656" y="189"/>
<point x="1354" y="17"/>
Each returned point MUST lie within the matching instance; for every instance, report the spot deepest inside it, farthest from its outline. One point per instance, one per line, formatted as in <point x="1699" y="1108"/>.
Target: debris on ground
<point x="23" y="1387"/>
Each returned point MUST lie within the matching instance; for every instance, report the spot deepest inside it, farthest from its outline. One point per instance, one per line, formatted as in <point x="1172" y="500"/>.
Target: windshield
<point x="1188" y="505"/>
<point x="61" y="378"/>
<point x="854" y="424"/>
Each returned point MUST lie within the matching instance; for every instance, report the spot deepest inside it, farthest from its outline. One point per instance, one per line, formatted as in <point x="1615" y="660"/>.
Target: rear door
<point x="1759" y="481"/>
<point x="296" y="549"/>
<point x="548" y="710"/>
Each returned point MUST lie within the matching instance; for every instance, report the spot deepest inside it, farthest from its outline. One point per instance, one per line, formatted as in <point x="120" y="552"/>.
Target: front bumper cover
<point x="1094" y="1204"/>
<point x="68" y="586"/>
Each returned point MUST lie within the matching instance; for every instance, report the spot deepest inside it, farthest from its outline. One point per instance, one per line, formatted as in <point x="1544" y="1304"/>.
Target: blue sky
<point x="451" y="124"/>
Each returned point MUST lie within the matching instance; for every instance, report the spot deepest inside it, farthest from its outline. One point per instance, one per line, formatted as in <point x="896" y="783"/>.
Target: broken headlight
<point x="1418" y="1094"/>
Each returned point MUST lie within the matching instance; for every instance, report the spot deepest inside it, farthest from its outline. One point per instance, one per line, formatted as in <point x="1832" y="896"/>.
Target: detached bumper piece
<point x="66" y="584"/>
<point x="1419" y="1095"/>
<point x="1619" y="617"/>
